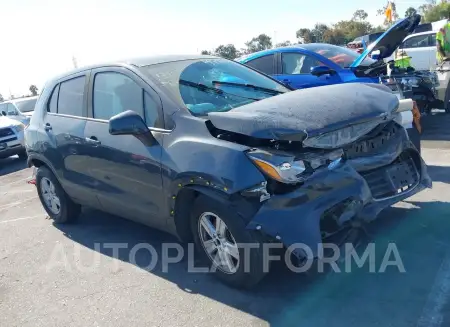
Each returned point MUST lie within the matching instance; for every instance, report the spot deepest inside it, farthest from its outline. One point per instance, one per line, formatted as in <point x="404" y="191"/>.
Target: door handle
<point x="48" y="127"/>
<point x="93" y="140"/>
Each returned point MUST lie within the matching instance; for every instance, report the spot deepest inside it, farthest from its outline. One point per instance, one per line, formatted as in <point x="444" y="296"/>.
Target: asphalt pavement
<point x="45" y="278"/>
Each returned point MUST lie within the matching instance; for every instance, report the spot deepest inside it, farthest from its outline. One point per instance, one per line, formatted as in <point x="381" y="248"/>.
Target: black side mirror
<point x="322" y="70"/>
<point x="130" y="123"/>
<point x="3" y="113"/>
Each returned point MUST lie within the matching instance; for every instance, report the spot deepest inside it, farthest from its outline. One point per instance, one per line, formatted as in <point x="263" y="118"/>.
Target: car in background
<point x="19" y="109"/>
<point x="318" y="64"/>
<point x="421" y="47"/>
<point x="11" y="138"/>
<point x="178" y="143"/>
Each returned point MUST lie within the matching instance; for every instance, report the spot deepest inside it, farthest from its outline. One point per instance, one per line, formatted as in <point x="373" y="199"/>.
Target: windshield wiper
<point x="255" y="87"/>
<point x="206" y="88"/>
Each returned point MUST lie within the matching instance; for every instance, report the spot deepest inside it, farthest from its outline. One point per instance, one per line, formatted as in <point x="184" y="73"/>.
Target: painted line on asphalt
<point x="22" y="218"/>
<point x="432" y="315"/>
<point x="17" y="202"/>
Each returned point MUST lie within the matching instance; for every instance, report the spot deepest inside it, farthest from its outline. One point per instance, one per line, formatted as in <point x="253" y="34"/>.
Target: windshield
<point x="196" y="84"/>
<point x="342" y="56"/>
<point x="26" y="105"/>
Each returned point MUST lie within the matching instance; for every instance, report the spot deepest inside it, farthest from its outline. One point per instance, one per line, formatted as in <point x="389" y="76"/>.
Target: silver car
<point x="11" y="138"/>
<point x="19" y="109"/>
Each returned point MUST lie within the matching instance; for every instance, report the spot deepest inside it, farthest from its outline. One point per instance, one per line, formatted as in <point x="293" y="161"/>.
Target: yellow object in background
<point x="388" y="12"/>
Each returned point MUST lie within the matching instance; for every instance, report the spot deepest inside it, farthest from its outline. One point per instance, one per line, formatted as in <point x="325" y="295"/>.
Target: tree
<point x="33" y="89"/>
<point x="283" y="44"/>
<point x="304" y="35"/>
<point x="360" y="15"/>
<point x="334" y="36"/>
<point x="1" y="98"/>
<point x="410" y="12"/>
<point x="432" y="12"/>
<point x="206" y="52"/>
<point x="318" y="31"/>
<point x="261" y="42"/>
<point x="228" y="51"/>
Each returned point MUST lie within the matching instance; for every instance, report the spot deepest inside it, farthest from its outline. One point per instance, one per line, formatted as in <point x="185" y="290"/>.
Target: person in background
<point x="443" y="41"/>
<point x="402" y="60"/>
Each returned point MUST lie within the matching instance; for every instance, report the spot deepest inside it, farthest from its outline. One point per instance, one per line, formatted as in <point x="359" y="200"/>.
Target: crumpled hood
<point x="309" y="112"/>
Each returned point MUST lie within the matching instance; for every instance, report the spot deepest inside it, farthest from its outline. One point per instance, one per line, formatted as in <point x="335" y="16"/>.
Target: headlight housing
<point x="288" y="169"/>
<point x="341" y="136"/>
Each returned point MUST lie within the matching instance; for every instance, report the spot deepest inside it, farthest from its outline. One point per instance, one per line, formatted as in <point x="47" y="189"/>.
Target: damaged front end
<point x="330" y="188"/>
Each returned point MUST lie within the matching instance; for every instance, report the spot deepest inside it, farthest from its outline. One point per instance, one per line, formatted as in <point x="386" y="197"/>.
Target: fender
<point x="35" y="156"/>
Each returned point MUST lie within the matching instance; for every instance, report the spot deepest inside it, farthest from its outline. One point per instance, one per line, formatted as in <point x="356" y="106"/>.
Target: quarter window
<point x="71" y="94"/>
<point x="263" y="64"/>
<point x="115" y="93"/>
<point x="53" y="103"/>
<point x="3" y="108"/>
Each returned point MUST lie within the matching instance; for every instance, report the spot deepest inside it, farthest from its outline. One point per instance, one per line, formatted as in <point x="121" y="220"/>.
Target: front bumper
<point x="355" y="188"/>
<point x="12" y="144"/>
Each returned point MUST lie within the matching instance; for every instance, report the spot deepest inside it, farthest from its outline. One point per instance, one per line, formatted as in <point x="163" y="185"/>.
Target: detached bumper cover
<point x="369" y="183"/>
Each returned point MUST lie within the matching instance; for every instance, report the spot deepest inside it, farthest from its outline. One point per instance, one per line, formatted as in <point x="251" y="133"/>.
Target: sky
<point x="40" y="37"/>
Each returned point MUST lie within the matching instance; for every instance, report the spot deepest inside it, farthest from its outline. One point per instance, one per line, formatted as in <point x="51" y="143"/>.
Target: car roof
<point x="420" y="33"/>
<point x="307" y="47"/>
<point x="137" y="62"/>
<point x="23" y="99"/>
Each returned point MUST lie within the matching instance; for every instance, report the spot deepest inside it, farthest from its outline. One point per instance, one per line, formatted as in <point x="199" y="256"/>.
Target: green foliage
<point x="228" y="51"/>
<point x="206" y="52"/>
<point x="432" y="12"/>
<point x="304" y="35"/>
<point x="259" y="43"/>
<point x="33" y="89"/>
<point x="410" y="12"/>
<point x="283" y="44"/>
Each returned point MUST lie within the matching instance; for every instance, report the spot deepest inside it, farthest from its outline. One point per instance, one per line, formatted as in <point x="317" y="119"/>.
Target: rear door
<point x="295" y="70"/>
<point x="127" y="172"/>
<point x="64" y="145"/>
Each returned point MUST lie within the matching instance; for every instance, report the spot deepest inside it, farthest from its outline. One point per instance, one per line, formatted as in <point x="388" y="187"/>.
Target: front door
<point x="296" y="71"/>
<point x="126" y="172"/>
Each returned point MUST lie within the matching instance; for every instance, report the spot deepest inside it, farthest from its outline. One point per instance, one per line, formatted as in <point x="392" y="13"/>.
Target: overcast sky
<point x="39" y="37"/>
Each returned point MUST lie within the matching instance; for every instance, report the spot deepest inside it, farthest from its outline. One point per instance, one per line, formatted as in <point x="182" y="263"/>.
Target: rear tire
<point x="447" y="99"/>
<point x="414" y="137"/>
<point x="232" y="231"/>
<point x="54" y="199"/>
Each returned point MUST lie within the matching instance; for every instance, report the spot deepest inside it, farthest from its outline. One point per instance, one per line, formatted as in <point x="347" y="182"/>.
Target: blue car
<point x="317" y="64"/>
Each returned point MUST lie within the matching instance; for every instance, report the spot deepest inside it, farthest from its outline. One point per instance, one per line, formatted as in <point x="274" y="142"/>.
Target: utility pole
<point x="74" y="60"/>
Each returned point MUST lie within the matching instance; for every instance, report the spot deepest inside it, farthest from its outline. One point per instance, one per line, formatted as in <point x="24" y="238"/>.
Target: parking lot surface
<point x="43" y="282"/>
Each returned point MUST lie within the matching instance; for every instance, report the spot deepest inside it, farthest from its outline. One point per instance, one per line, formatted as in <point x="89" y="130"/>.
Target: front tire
<point x="217" y="231"/>
<point x="54" y="199"/>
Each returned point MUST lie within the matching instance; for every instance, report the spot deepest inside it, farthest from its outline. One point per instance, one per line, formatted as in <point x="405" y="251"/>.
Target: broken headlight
<point x="341" y="137"/>
<point x="282" y="168"/>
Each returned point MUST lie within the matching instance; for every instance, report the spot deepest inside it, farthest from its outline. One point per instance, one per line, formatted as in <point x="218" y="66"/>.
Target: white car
<point x="19" y="109"/>
<point x="11" y="138"/>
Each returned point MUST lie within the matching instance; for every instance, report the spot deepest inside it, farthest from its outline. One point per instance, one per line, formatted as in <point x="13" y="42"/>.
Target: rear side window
<point x="263" y="64"/>
<point x="115" y="93"/>
<point x="71" y="93"/>
<point x="432" y="40"/>
<point x="416" y="42"/>
<point x="52" y="105"/>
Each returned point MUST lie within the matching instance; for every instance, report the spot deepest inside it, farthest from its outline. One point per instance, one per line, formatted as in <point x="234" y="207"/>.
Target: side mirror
<point x="130" y="123"/>
<point x="3" y="113"/>
<point x="322" y="70"/>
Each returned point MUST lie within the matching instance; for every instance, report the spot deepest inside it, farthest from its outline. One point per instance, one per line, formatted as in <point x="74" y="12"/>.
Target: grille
<point x="394" y="179"/>
<point x="6" y="132"/>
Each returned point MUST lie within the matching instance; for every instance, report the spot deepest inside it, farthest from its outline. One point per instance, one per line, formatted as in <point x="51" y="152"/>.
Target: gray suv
<point x="219" y="154"/>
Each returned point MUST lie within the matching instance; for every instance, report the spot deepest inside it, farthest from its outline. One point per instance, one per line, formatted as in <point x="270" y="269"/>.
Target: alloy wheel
<point x="218" y="242"/>
<point x="51" y="200"/>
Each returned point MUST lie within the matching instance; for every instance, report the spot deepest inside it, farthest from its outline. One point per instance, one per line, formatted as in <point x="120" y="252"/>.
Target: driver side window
<point x="298" y="63"/>
<point x="12" y="111"/>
